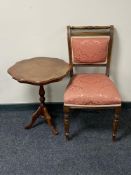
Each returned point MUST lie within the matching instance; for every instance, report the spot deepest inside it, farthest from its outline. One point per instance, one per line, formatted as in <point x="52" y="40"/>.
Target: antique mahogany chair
<point x="91" y="46"/>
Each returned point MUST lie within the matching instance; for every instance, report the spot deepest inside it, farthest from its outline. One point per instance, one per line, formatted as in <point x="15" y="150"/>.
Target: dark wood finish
<point x="91" y="27"/>
<point x="91" y="31"/>
<point x="42" y="111"/>
<point x="40" y="71"/>
<point x="89" y="65"/>
<point x="109" y="51"/>
<point x="69" y="49"/>
<point x="116" y="122"/>
<point x="66" y="121"/>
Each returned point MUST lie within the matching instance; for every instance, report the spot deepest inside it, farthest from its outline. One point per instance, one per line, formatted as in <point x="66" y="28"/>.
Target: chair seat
<point x="91" y="89"/>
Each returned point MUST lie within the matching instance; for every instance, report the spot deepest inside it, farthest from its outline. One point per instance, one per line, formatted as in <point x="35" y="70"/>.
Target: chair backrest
<point x="90" y="46"/>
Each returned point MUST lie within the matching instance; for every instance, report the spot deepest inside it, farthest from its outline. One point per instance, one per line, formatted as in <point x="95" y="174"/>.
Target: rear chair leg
<point x="66" y="122"/>
<point x="116" y="123"/>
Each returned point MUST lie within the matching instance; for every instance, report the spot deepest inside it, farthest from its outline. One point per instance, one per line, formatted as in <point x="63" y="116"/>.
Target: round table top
<point x="39" y="70"/>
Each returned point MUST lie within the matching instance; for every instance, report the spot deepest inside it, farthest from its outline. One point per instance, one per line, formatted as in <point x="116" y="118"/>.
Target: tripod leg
<point x="34" y="118"/>
<point x="49" y="120"/>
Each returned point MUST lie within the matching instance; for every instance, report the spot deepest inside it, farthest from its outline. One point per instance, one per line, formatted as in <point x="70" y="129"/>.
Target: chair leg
<point x="116" y="123"/>
<point x="66" y="121"/>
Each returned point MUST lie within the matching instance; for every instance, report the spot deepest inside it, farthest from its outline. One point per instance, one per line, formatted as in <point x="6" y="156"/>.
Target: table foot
<point x="49" y="120"/>
<point x="42" y="110"/>
<point x="34" y="118"/>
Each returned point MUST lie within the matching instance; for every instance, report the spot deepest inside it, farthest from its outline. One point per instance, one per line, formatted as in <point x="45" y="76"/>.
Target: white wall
<point x="30" y="28"/>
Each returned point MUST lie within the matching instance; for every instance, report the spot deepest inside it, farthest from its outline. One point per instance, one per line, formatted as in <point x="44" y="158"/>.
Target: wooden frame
<point x="91" y="31"/>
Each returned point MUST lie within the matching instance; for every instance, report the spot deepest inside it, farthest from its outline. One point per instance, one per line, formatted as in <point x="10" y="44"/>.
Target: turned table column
<point x="43" y="112"/>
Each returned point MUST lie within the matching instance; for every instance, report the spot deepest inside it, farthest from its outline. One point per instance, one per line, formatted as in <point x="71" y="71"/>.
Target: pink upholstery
<point x="91" y="89"/>
<point x="89" y="50"/>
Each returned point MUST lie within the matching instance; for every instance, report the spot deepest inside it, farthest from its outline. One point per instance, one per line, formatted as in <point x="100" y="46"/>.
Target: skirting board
<point x="29" y="106"/>
<point x="50" y="105"/>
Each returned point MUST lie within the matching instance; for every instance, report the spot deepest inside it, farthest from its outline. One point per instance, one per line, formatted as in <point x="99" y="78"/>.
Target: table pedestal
<point x="42" y="111"/>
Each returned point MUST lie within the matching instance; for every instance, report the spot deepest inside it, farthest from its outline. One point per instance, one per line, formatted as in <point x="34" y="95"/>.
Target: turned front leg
<point x="66" y="122"/>
<point x="116" y="122"/>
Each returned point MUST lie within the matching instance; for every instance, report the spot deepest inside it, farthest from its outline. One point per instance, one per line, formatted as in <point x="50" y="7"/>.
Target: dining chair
<point x="91" y="46"/>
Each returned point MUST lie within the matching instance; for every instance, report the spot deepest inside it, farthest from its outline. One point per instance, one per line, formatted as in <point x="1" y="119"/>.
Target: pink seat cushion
<point x="89" y="50"/>
<point x="91" y="89"/>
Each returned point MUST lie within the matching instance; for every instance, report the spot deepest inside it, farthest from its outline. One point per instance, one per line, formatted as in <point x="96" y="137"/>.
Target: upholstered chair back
<point x="90" y="45"/>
